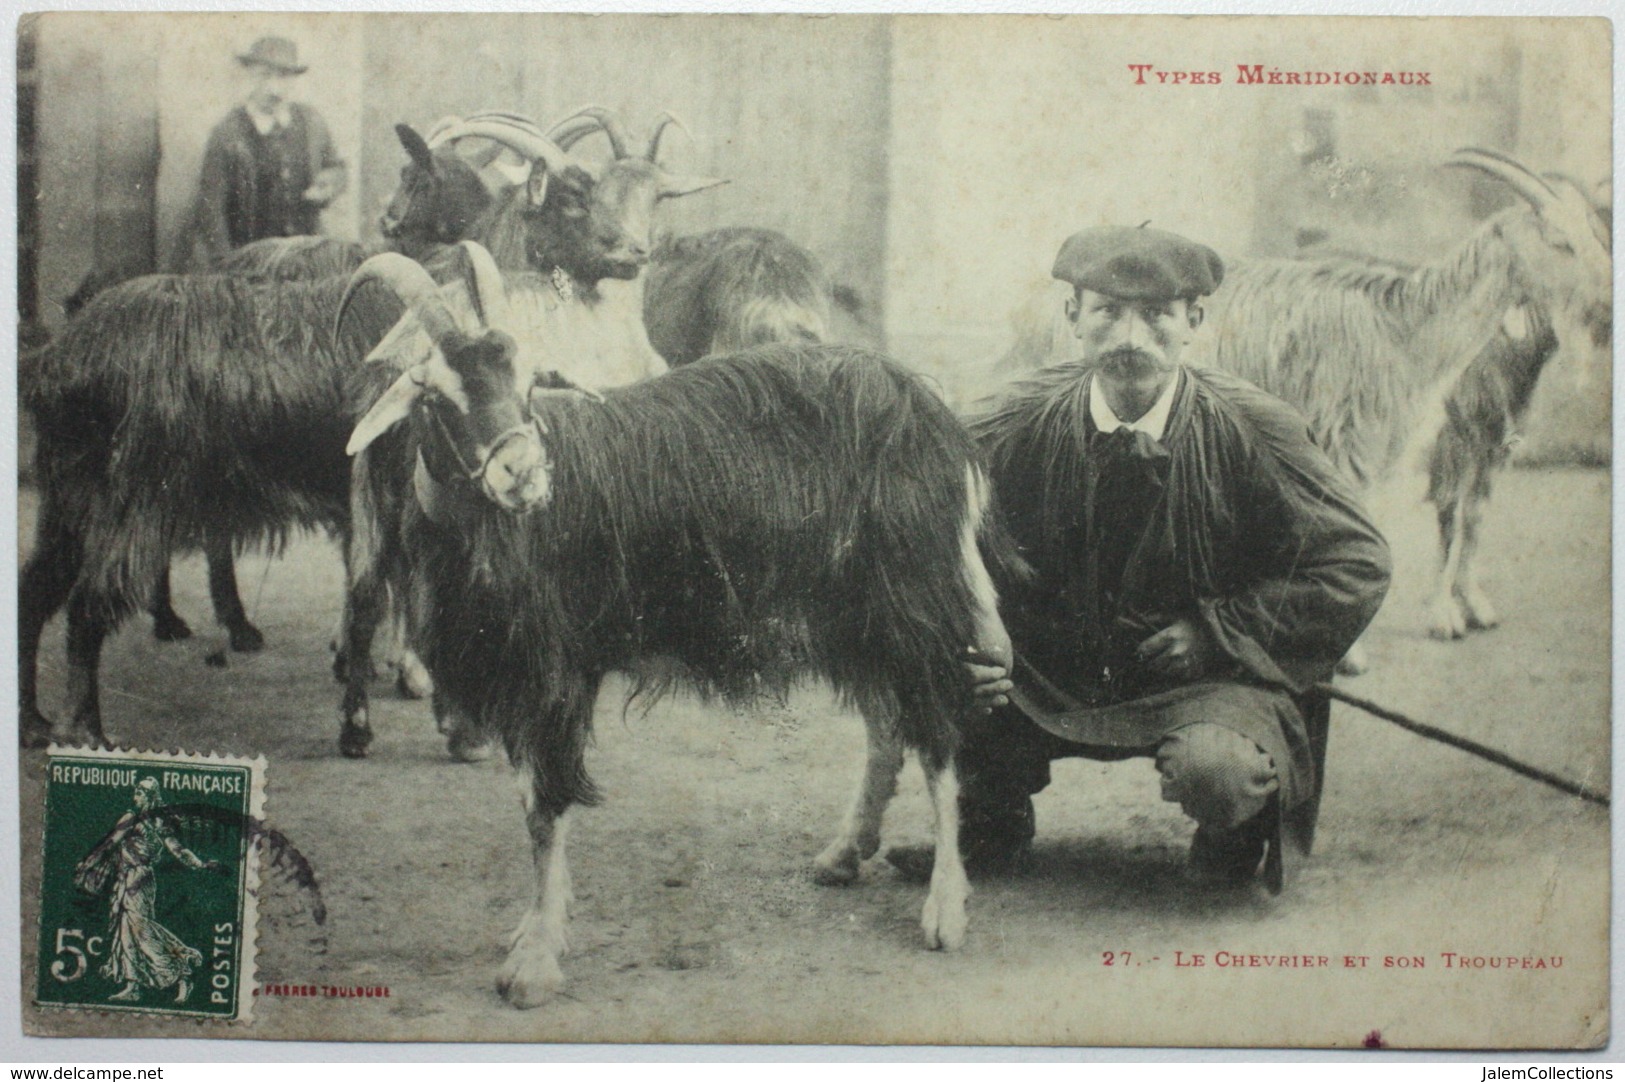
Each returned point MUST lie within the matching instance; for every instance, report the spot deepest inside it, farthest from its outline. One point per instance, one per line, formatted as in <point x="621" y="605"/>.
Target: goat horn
<point x="583" y="122"/>
<point x="1513" y="173"/>
<point x="659" y="129"/>
<point x="519" y="120"/>
<point x="532" y="145"/>
<point x="490" y="291"/>
<point x="436" y="136"/>
<point x="407" y="279"/>
<point x="449" y="128"/>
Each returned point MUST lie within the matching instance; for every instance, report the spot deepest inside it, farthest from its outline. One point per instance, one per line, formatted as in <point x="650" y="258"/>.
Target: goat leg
<point x="412" y="680"/>
<point x="531" y="973"/>
<point x="859" y="835"/>
<point x="167" y="625"/>
<point x="1476" y="606"/>
<point x="464" y="742"/>
<point x="43" y="586"/>
<point x="88" y="625"/>
<point x="944" y="920"/>
<point x="228" y="604"/>
<point x="1446" y="620"/>
<point x="362" y="604"/>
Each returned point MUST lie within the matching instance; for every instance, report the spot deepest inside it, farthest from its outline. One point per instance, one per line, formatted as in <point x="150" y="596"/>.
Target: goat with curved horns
<point x="556" y="537"/>
<point x="585" y="234"/>
<point x="715" y="292"/>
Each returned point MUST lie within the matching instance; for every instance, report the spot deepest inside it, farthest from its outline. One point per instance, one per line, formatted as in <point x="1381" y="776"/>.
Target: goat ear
<point x="551" y="384"/>
<point x="674" y="185"/>
<point x="391" y="409"/>
<point x="416" y="148"/>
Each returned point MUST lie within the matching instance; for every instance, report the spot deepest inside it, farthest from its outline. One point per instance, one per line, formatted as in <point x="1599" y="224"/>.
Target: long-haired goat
<point x="783" y="512"/>
<point x="1368" y="349"/>
<point x="179" y="411"/>
<point x="580" y="244"/>
<point x="173" y="410"/>
<point x="1364" y="348"/>
<point x="1482" y="415"/>
<point x="278" y="259"/>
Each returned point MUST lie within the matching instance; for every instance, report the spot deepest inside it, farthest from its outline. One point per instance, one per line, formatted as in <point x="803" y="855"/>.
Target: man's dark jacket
<point x="1247" y="527"/>
<point x="252" y="186"/>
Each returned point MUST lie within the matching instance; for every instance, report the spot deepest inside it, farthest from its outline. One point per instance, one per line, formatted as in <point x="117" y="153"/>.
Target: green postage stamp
<point x="148" y="883"/>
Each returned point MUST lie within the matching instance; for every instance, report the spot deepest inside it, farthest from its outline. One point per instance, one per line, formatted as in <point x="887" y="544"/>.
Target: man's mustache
<point x="1128" y="357"/>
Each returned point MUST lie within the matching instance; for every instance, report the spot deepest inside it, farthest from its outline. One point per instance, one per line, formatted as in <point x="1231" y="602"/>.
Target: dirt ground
<point x="697" y="920"/>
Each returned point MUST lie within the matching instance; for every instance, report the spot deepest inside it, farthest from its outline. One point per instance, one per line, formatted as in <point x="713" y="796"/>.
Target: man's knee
<point x="1218" y="776"/>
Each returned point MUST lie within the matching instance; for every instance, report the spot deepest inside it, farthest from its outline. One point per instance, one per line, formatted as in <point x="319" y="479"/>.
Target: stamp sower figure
<point x="270" y="166"/>
<point x="141" y="952"/>
<point x="1197" y="565"/>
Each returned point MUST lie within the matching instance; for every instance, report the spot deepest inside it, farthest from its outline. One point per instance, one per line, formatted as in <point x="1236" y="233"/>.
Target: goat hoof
<point x="528" y="981"/>
<point x="836" y="866"/>
<point x="468" y="747"/>
<point x="33" y="731"/>
<point x="354" y="740"/>
<point x="170" y="628"/>
<point x="81" y="737"/>
<point x="1480" y="614"/>
<point x="944" y="923"/>
<point x="412" y="682"/>
<point x="246" y="639"/>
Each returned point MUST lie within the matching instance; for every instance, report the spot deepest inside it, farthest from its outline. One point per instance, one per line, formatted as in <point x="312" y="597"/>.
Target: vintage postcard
<point x="872" y="529"/>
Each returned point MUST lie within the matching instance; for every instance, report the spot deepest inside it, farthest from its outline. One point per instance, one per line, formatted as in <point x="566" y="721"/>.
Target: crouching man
<point x="1196" y="565"/>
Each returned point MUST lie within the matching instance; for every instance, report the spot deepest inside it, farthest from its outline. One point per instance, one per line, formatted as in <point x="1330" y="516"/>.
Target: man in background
<point x="270" y="166"/>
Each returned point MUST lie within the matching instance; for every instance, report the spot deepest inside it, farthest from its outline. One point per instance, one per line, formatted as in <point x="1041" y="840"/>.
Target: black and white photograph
<point x="856" y="529"/>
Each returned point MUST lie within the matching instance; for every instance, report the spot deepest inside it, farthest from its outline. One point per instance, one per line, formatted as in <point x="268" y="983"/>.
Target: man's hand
<point x="991" y="681"/>
<point x="328" y="185"/>
<point x="1184" y="650"/>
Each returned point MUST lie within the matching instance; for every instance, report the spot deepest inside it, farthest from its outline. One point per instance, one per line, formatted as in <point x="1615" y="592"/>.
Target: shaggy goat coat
<point x="177" y="405"/>
<point x="1483" y="412"/>
<point x="756" y="518"/>
<point x="731" y="289"/>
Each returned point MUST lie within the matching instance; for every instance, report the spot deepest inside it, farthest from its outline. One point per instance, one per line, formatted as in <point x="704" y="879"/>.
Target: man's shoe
<point x="1228" y="858"/>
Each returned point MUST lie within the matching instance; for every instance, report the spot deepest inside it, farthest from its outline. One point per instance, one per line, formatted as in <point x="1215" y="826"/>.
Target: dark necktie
<point x="1130" y="443"/>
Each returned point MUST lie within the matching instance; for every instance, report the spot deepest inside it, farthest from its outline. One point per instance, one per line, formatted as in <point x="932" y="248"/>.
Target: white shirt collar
<point x="1152" y="424"/>
<point x="266" y="123"/>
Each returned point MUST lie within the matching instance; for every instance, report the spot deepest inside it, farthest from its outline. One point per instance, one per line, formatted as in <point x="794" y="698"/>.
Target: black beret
<point x="1138" y="264"/>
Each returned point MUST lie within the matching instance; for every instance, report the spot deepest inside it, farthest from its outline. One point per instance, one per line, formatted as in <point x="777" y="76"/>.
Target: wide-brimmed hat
<point x="274" y="52"/>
